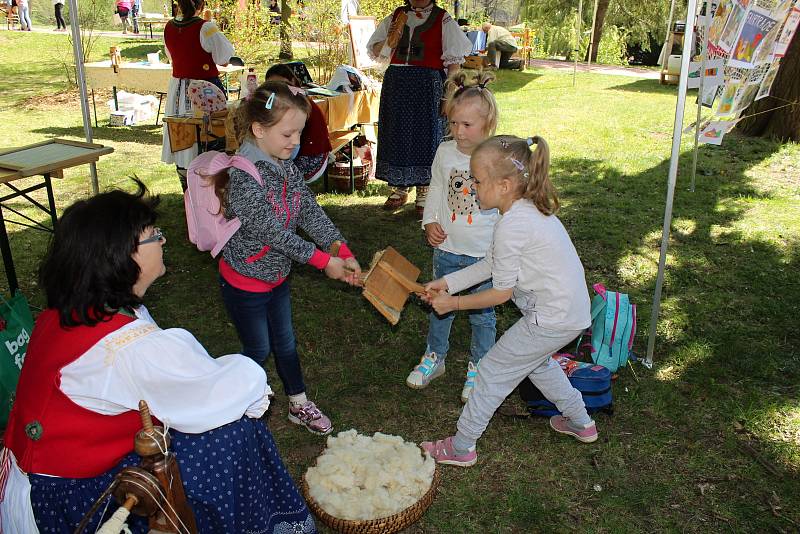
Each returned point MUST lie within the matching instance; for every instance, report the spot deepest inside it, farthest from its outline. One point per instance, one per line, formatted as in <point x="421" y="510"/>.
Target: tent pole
<point x="664" y="53"/>
<point x="703" y="57"/>
<point x="677" y="130"/>
<point x="591" y="36"/>
<point x="577" y="42"/>
<point x="77" y="50"/>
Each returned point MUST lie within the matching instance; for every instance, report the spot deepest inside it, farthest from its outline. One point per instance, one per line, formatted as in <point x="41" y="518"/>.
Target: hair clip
<point x="504" y="143"/>
<point x="297" y="90"/>
<point x="270" y="101"/>
<point x="518" y="164"/>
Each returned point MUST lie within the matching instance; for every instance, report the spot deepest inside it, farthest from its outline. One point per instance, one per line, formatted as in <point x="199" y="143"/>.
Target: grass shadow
<point x="145" y="134"/>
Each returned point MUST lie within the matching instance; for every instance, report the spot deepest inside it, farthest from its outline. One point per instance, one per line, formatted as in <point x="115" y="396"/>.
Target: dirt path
<point x="602" y="69"/>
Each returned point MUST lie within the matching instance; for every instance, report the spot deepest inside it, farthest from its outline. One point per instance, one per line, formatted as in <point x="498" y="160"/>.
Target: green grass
<point x="672" y="457"/>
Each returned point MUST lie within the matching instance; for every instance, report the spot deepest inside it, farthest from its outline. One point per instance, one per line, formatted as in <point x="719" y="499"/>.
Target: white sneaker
<point x="428" y="368"/>
<point x="469" y="384"/>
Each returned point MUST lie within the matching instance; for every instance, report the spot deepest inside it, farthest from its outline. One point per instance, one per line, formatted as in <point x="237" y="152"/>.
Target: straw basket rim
<point x="382" y="525"/>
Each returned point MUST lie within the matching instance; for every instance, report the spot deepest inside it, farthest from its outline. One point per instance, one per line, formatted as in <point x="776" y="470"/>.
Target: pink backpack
<point x="208" y="227"/>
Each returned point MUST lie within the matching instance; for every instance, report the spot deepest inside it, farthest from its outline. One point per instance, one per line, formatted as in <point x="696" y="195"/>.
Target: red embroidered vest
<point x="424" y="48"/>
<point x="189" y="60"/>
<point x="47" y="432"/>
<point x="314" y="139"/>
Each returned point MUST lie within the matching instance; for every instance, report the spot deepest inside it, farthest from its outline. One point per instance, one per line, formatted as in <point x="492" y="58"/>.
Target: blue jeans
<point x="482" y="321"/>
<point x="264" y="324"/>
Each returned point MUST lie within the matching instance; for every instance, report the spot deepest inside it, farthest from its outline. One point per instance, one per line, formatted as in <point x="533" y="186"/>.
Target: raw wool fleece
<point x="360" y="477"/>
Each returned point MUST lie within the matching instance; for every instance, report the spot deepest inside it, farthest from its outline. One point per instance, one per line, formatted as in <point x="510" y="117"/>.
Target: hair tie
<point x="270" y="101"/>
<point x="297" y="90"/>
<point x="532" y="140"/>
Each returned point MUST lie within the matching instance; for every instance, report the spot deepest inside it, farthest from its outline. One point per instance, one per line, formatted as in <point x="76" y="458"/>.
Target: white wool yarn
<point x="360" y="477"/>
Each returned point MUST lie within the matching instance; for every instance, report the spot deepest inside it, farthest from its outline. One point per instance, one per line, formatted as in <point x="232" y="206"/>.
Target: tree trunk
<point x="602" y="9"/>
<point x="286" y="38"/>
<point x="783" y="123"/>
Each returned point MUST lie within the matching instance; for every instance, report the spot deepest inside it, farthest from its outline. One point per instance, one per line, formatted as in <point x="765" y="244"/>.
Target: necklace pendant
<point x="418" y="14"/>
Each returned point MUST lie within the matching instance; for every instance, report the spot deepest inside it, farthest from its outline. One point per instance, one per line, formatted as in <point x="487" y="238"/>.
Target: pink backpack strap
<point x="244" y="164"/>
<point x="600" y="289"/>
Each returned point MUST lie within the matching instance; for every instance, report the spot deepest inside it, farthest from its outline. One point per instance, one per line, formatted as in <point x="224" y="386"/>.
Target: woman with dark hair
<point x="421" y="41"/>
<point x="315" y="145"/>
<point x="195" y="47"/>
<point x="94" y="353"/>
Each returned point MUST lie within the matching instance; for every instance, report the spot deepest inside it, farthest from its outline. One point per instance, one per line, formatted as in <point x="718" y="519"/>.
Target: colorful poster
<point x="734" y="25"/>
<point x="713" y="133"/>
<point x="788" y="31"/>
<point x="744" y="97"/>
<point x="757" y="26"/>
<point x="713" y="73"/>
<point x="769" y="77"/>
<point x="718" y="22"/>
<point x="709" y="95"/>
<point x="726" y="99"/>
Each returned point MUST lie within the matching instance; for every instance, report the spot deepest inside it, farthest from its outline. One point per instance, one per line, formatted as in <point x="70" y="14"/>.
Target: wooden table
<point x="151" y="21"/>
<point x="139" y="76"/>
<point x="47" y="159"/>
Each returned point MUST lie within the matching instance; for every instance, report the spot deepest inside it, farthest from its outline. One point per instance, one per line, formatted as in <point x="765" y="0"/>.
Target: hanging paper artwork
<point x="713" y="73"/>
<point x="757" y="26"/>
<point x="769" y="78"/>
<point x="713" y="133"/>
<point x="788" y="31"/>
<point x="744" y="97"/>
<point x="718" y="24"/>
<point x="709" y="95"/>
<point x="726" y="100"/>
<point x="734" y="25"/>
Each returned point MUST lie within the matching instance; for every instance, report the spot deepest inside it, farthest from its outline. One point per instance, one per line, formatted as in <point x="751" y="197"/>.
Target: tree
<point x="600" y="17"/>
<point x="771" y="116"/>
<point x="286" y="38"/>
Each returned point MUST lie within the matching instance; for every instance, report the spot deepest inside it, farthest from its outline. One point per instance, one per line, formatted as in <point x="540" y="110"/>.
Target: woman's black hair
<point x="88" y="272"/>
<point x="189" y="7"/>
<point x="284" y="71"/>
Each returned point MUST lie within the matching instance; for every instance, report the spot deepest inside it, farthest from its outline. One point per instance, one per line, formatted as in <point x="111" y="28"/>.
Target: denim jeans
<point x="264" y="324"/>
<point x="482" y="321"/>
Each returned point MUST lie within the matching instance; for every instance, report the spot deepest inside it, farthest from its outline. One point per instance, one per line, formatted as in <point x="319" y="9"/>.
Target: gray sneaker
<point x="428" y="368"/>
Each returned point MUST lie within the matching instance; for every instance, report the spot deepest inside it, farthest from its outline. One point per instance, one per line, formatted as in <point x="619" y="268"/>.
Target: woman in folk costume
<point x="195" y="47"/>
<point x="94" y="353"/>
<point x="424" y="44"/>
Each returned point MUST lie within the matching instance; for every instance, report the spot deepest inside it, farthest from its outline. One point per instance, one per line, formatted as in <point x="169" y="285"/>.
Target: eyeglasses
<point x="157" y="237"/>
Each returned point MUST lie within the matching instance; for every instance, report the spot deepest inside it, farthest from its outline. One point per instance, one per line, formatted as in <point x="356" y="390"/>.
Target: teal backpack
<point x="613" y="328"/>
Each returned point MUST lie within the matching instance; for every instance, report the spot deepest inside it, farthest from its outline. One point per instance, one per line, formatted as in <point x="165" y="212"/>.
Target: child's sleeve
<point x="436" y="190"/>
<point x="510" y="241"/>
<point x="258" y="219"/>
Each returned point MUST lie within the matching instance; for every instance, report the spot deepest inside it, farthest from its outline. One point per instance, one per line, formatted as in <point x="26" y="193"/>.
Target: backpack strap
<point x="244" y="164"/>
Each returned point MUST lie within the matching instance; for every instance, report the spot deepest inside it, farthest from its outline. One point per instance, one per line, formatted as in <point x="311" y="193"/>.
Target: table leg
<point x="94" y="107"/>
<point x="352" y="173"/>
<point x="51" y="200"/>
<point x="325" y="178"/>
<point x="151" y="29"/>
<point x="8" y="260"/>
<point x="158" y="113"/>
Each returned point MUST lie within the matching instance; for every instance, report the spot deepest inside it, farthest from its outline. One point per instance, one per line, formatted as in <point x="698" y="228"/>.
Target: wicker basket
<point x="383" y="525"/>
<point x="339" y="174"/>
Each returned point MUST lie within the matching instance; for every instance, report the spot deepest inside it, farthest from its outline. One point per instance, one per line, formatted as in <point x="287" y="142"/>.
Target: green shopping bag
<point x="16" y="325"/>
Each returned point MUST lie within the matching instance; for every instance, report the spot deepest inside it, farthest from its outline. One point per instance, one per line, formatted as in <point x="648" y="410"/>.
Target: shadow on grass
<point x="146" y="134"/>
<point x="646" y="86"/>
<point x="140" y="51"/>
<point x="509" y="81"/>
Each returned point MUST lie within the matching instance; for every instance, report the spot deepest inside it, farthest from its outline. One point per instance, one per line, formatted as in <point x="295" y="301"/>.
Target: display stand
<point x="666" y="77"/>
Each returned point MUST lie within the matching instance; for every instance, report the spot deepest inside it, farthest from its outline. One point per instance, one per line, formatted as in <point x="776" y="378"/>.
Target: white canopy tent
<point x="77" y="49"/>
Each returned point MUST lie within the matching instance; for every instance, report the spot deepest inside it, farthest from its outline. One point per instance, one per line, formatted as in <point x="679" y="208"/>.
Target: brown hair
<point x="189" y="7"/>
<point x="462" y="86"/>
<point x="283" y="71"/>
<point x="530" y="169"/>
<point x="254" y="109"/>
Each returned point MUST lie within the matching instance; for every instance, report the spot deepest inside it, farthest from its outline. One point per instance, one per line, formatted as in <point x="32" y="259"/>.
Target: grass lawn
<point x="708" y="440"/>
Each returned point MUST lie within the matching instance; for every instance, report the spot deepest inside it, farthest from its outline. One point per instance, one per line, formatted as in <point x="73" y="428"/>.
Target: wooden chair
<point x="525" y="41"/>
<point x="12" y="17"/>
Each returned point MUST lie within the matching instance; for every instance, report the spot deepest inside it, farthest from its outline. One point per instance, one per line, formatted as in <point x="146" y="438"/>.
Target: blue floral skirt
<point x="410" y="126"/>
<point x="233" y="476"/>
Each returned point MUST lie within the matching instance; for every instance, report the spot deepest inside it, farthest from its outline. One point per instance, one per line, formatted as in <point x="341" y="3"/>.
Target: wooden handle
<point x="144" y="413"/>
<point x="414" y="287"/>
<point x="130" y="502"/>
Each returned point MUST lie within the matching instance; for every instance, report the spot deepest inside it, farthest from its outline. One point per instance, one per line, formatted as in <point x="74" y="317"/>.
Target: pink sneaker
<point x="442" y="451"/>
<point x="310" y="417"/>
<point x="561" y="424"/>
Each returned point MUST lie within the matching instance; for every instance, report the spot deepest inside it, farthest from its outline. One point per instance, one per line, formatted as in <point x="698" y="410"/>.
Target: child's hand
<point x="435" y="286"/>
<point x="353" y="270"/>
<point x="335" y="269"/>
<point x="442" y="302"/>
<point x="435" y="234"/>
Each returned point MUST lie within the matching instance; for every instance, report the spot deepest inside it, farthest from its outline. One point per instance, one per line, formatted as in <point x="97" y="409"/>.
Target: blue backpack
<point x="613" y="328"/>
